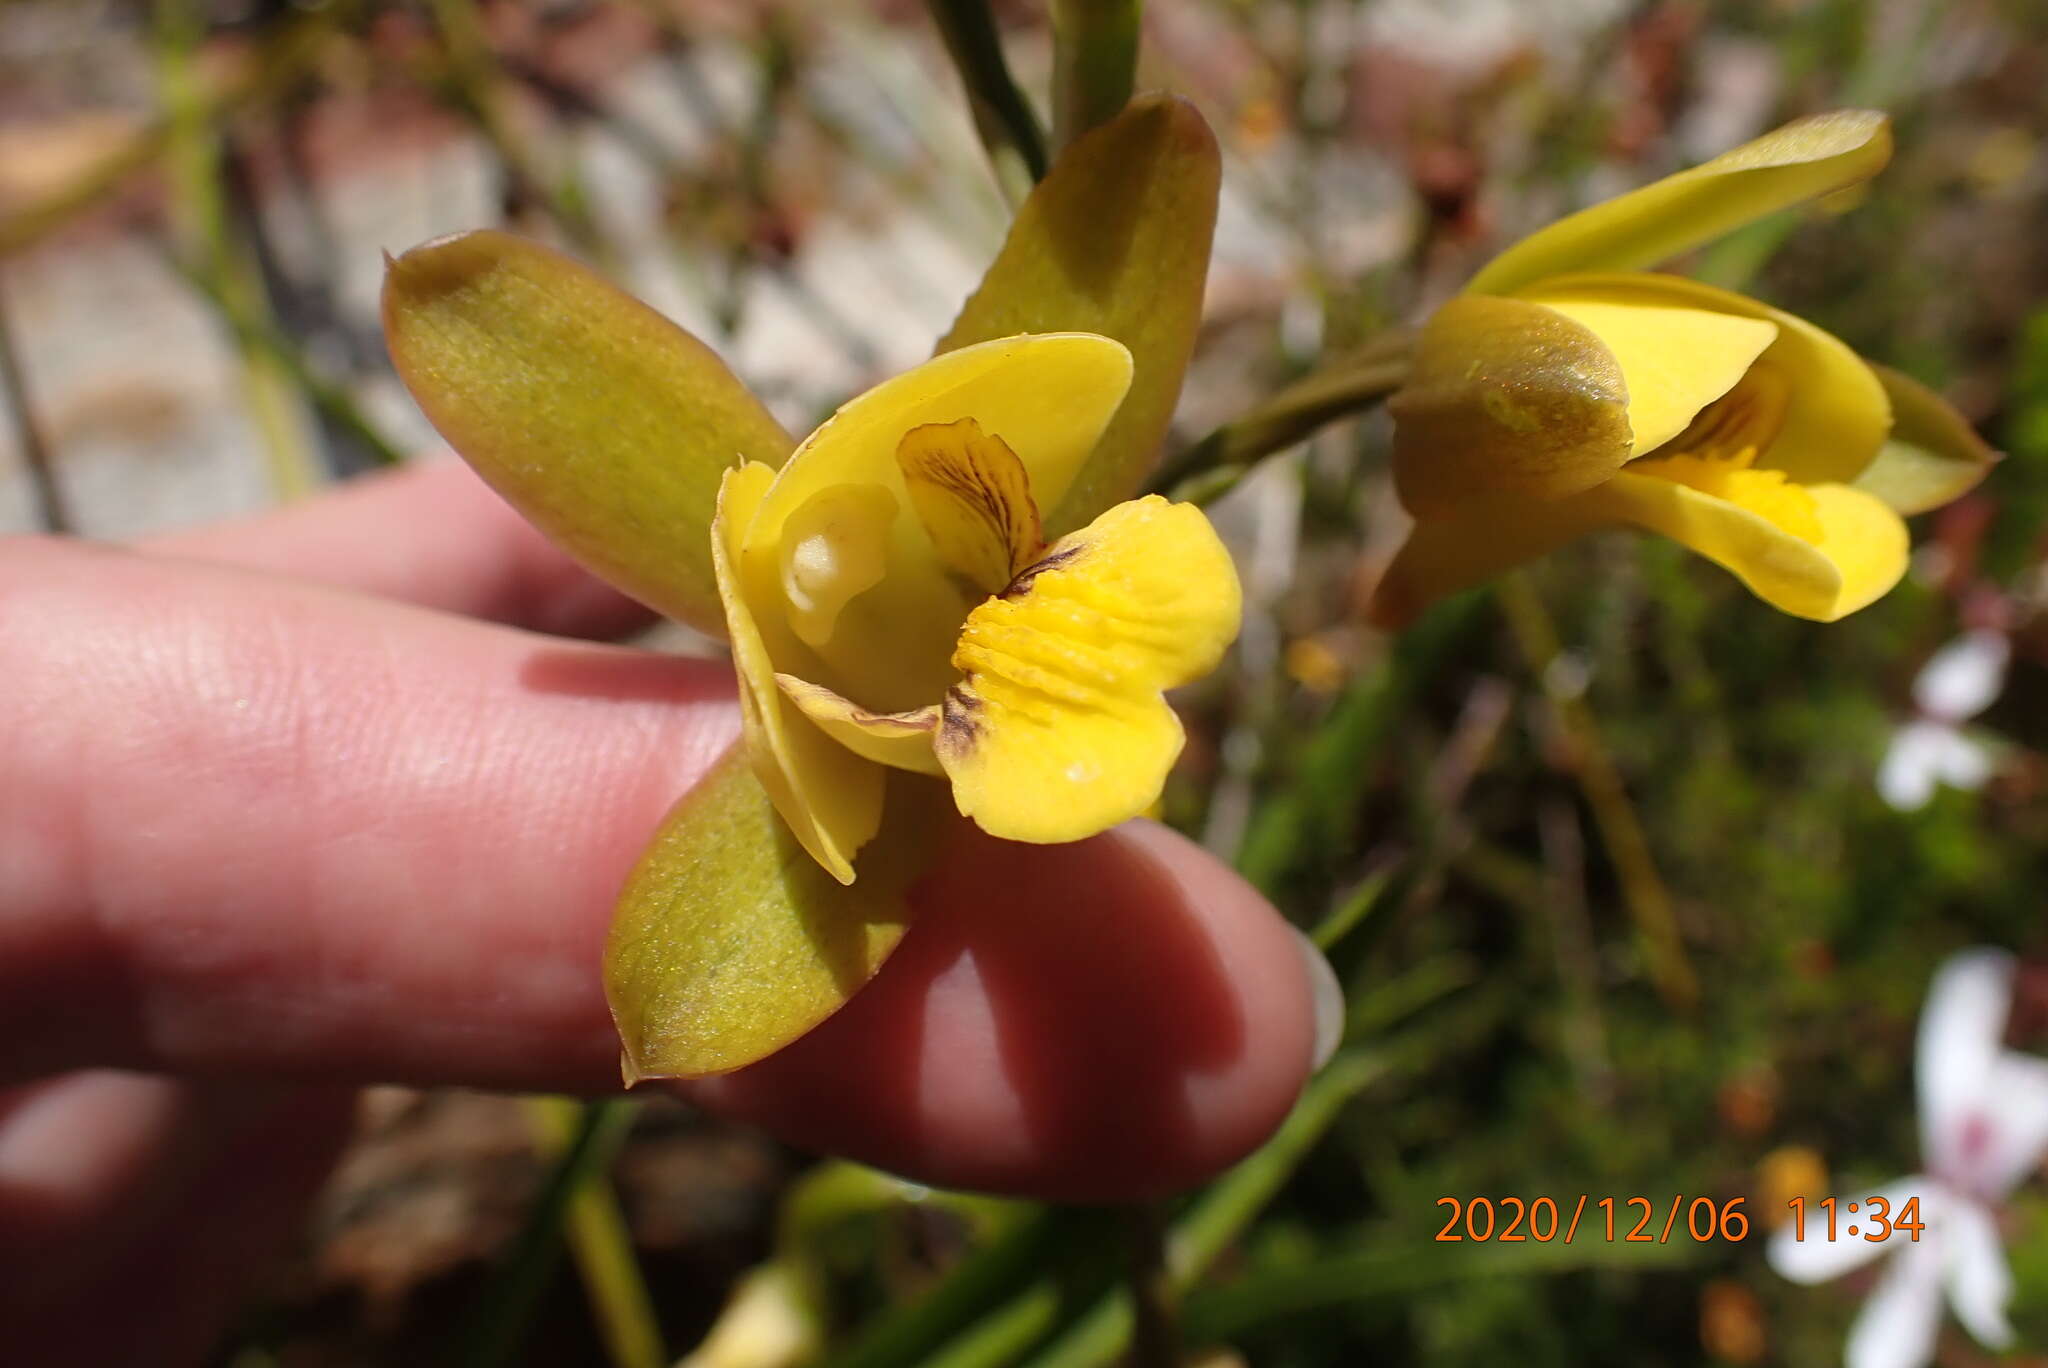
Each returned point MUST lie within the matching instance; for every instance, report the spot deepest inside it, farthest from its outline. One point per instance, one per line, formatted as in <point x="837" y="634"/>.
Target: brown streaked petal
<point x="974" y="498"/>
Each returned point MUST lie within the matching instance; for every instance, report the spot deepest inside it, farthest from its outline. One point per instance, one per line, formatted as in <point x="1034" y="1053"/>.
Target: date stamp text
<point x="1647" y="1220"/>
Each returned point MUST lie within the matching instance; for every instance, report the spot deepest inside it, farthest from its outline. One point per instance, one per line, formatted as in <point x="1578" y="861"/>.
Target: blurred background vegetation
<point x="1598" y="853"/>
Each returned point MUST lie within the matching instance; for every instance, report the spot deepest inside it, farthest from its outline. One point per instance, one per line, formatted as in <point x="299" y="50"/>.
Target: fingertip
<point x="1281" y="1001"/>
<point x="1110" y="1020"/>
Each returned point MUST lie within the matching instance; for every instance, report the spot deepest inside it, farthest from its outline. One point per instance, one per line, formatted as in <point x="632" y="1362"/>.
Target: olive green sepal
<point x="730" y="941"/>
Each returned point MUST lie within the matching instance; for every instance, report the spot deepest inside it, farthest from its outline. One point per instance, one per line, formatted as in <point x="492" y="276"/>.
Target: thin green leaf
<point x="207" y="235"/>
<point x="598" y="1235"/>
<point x="1002" y="116"/>
<point x="1222" y="1212"/>
<point x="1399" y="1264"/>
<point x="1357" y="905"/>
<point x="912" y="1332"/>
<point x="499" y="1318"/>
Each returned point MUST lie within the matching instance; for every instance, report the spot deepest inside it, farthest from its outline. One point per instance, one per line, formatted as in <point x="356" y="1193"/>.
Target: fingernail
<point x="1328" y="996"/>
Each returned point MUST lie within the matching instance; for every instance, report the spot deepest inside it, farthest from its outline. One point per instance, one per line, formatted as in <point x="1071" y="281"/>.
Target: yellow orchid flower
<point x="892" y="602"/>
<point x="1568" y="390"/>
<point x="937" y="600"/>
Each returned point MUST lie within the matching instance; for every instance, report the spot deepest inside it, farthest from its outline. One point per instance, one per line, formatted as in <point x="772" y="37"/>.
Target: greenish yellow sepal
<point x="602" y="422"/>
<point x="1058" y="729"/>
<point x="1506" y="400"/>
<point x="1114" y="240"/>
<point x="1933" y="455"/>
<point x="1802" y="161"/>
<point x="730" y="941"/>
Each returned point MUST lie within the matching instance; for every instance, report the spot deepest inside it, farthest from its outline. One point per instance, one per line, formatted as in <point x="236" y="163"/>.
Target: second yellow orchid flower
<point x="892" y="602"/>
<point x="1568" y="390"/>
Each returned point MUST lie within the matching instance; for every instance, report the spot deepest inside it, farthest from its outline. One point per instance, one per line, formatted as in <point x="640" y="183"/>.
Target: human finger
<point x="431" y="534"/>
<point x="249" y="825"/>
<point x="257" y="827"/>
<point x="161" y="1197"/>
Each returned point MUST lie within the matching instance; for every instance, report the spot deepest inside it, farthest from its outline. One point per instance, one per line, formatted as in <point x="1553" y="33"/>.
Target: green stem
<point x="1394" y="1264"/>
<point x="1155" y="1329"/>
<point x="476" y="82"/>
<point x="1094" y="63"/>
<point x="329" y="397"/>
<point x="282" y="60"/>
<point x="1221" y="1213"/>
<point x="601" y="1243"/>
<point x="1003" y="118"/>
<point x="1614" y="816"/>
<point x="52" y="512"/>
<point x="209" y="241"/>
<point x="499" y="1318"/>
<point x="1349" y="385"/>
<point x="909" y="1334"/>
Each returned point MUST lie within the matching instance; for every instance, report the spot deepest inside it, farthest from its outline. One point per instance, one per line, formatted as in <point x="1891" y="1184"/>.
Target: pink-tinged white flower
<point x="1959" y="681"/>
<point x="1983" y="1127"/>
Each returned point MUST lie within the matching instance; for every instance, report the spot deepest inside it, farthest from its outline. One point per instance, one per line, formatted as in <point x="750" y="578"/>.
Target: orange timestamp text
<point x="1629" y="1220"/>
<point x="1871" y="1219"/>
<point x="1634" y="1220"/>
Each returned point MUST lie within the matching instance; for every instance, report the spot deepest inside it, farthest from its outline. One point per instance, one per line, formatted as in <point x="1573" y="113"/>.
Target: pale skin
<point x="343" y="794"/>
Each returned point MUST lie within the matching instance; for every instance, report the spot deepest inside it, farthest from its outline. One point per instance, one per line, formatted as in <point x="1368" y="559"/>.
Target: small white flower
<point x="1983" y="1127"/>
<point x="1925" y="753"/>
<point x="1959" y="681"/>
<point x="1964" y="677"/>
